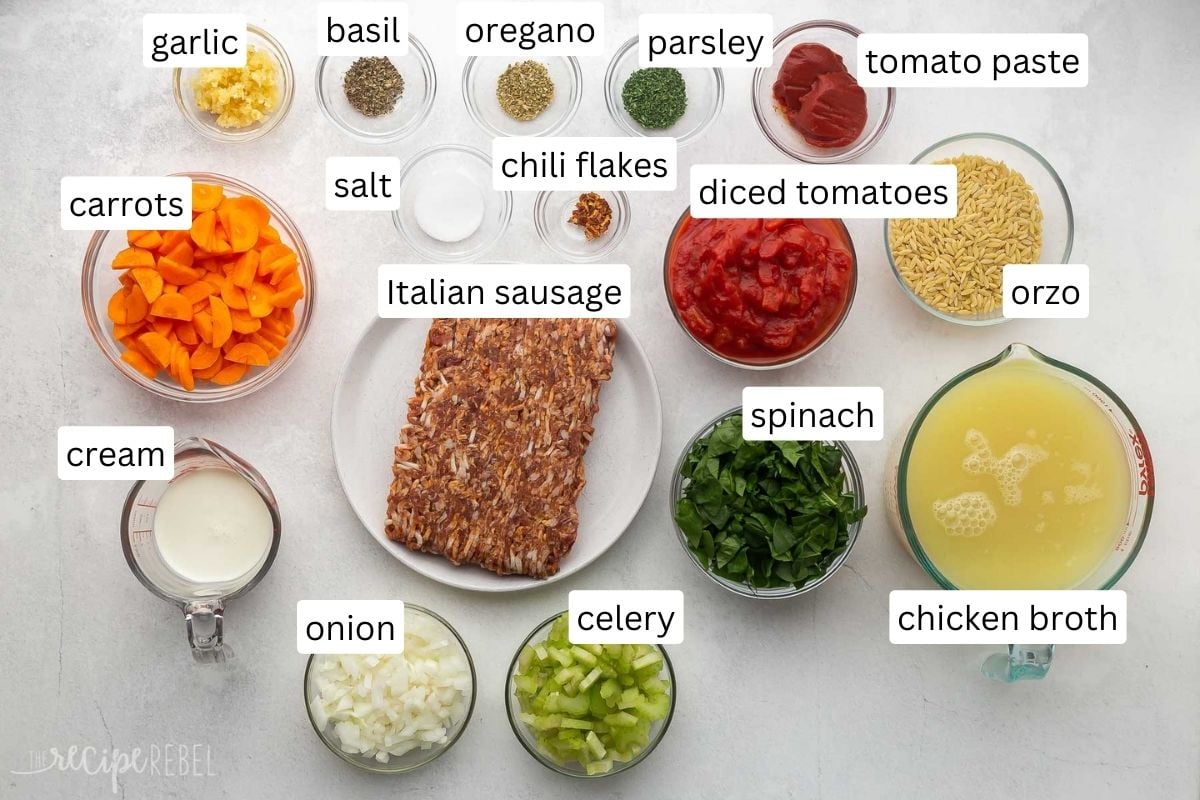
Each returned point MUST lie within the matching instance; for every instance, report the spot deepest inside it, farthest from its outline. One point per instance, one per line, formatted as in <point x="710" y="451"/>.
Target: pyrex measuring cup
<point x="203" y="604"/>
<point x="1033" y="661"/>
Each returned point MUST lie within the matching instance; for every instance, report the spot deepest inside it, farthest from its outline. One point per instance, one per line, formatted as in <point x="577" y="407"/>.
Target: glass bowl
<point x="842" y="39"/>
<point x="551" y="212"/>
<point x="413" y="759"/>
<point x="206" y="123"/>
<point x="705" y="96"/>
<point x="99" y="282"/>
<point x="854" y="485"/>
<point x="573" y="769"/>
<point x="411" y="111"/>
<point x="479" y="93"/>
<point x="1058" y="222"/>
<point x="785" y="361"/>
<point x="433" y="167"/>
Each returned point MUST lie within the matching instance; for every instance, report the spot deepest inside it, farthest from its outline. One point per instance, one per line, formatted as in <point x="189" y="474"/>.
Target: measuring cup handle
<point x="205" y="630"/>
<point x="1021" y="662"/>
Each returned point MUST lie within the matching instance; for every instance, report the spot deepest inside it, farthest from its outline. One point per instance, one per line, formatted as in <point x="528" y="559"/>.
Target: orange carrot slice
<point x="183" y="369"/>
<point x="133" y="257"/>
<point x="176" y="273"/>
<point x="259" y="300"/>
<point x="157" y="347"/>
<point x="242" y="230"/>
<point x="248" y="353"/>
<point x="136" y="305"/>
<point x="203" y="322"/>
<point x="186" y="332"/>
<point x="205" y="197"/>
<point x="222" y="323"/>
<point x="172" y="306"/>
<point x="148" y="240"/>
<point x="116" y="306"/>
<point x="211" y="370"/>
<point x="233" y="296"/>
<point x="229" y="374"/>
<point x="205" y="355"/>
<point x="150" y="280"/>
<point x="139" y="362"/>
<point x="244" y="269"/>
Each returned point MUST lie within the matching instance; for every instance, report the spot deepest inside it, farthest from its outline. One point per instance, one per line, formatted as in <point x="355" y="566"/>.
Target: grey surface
<point x="798" y="699"/>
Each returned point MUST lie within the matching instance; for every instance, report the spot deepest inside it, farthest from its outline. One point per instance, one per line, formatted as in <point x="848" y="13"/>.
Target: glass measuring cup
<point x="203" y="604"/>
<point x="1033" y="661"/>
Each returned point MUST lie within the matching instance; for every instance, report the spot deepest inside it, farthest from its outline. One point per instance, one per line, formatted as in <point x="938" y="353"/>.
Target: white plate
<point x="370" y="405"/>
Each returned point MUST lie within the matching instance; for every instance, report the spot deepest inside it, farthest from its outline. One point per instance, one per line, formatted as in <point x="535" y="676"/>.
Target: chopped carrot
<point x="233" y="296"/>
<point x="150" y="281"/>
<point x="176" y="273"/>
<point x="133" y="257"/>
<point x="172" y="306"/>
<point x="125" y="331"/>
<point x="244" y="269"/>
<point x="147" y="240"/>
<point x="229" y="374"/>
<point x="116" y="306"/>
<point x="136" y="305"/>
<point x="183" y="369"/>
<point x="204" y="325"/>
<point x="157" y="347"/>
<point x="162" y="326"/>
<point x="186" y="332"/>
<point x="242" y="229"/>
<point x="206" y="236"/>
<point x="243" y="322"/>
<point x="205" y="355"/>
<point x="248" y="353"/>
<point x="259" y="300"/>
<point x="139" y="362"/>
<point x="205" y="197"/>
<point x="212" y="369"/>
<point x="222" y="323"/>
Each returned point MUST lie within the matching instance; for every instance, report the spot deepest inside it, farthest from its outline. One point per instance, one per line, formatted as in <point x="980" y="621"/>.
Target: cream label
<point x="194" y="40"/>
<point x="705" y="40"/>
<point x="977" y="60"/>
<point x="625" y="616"/>
<point x="1072" y="616"/>
<point x="116" y="453"/>
<point x="513" y="291"/>
<point x="853" y="191"/>
<point x="354" y="627"/>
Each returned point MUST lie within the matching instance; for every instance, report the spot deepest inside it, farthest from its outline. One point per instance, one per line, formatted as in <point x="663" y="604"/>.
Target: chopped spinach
<point x="768" y="514"/>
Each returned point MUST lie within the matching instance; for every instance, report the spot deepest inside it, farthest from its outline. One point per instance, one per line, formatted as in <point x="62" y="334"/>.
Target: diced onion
<point x="381" y="706"/>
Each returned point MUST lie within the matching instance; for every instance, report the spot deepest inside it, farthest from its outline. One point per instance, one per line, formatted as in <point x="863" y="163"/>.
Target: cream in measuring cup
<point x="202" y="538"/>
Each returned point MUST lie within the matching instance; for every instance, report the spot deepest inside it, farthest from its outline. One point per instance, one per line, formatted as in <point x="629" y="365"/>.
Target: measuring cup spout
<point x="1021" y="662"/>
<point x="206" y="632"/>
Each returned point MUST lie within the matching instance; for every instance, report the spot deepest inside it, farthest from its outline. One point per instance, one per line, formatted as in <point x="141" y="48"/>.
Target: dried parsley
<point x="769" y="514"/>
<point x="593" y="214"/>
<point x="525" y="90"/>
<point x="655" y="97"/>
<point x="373" y="85"/>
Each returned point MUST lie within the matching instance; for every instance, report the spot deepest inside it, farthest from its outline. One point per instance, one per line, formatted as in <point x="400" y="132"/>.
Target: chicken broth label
<point x="530" y="29"/>
<point x="362" y="183"/>
<point x="507" y="291"/>
<point x="585" y="163"/>
<point x="851" y="191"/>
<point x="121" y="203"/>
<point x="375" y="28"/>
<point x="1046" y="291"/>
<point x="1070" y="616"/>
<point x="194" y="40"/>
<point x="357" y="627"/>
<point x="812" y="413"/>
<point x="976" y="60"/>
<point x="116" y="452"/>
<point x="705" y="40"/>
<point x="625" y="616"/>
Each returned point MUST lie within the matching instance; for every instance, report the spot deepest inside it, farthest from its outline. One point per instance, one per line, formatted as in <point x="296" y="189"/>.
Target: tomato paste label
<point x="944" y="60"/>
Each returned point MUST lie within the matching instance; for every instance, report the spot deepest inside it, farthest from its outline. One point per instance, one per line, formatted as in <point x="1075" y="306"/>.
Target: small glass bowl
<point x="842" y="39"/>
<point x="705" y="96"/>
<point x="573" y="769"/>
<point x="1058" y="220"/>
<point x="551" y="212"/>
<point x="786" y="361"/>
<point x="411" y="111"/>
<point x="439" y="163"/>
<point x="206" y="123"/>
<point x="479" y="93"/>
<point x="413" y="759"/>
<point x="99" y="281"/>
<point x="854" y="485"/>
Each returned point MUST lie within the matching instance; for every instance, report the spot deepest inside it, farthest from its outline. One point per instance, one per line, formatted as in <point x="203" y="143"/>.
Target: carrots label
<point x="110" y="204"/>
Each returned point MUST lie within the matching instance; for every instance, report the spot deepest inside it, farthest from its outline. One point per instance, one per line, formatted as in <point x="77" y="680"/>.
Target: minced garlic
<point x="239" y="96"/>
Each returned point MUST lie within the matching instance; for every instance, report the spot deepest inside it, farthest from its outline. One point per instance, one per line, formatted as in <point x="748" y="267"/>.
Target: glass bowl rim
<point x="790" y="361"/>
<point x="506" y="205"/>
<point x="514" y="720"/>
<point x="760" y="115"/>
<point x="396" y="134"/>
<point x="243" y="387"/>
<point x="437" y="753"/>
<point x="856" y="487"/>
<point x="621" y="214"/>
<point x="573" y="102"/>
<point x="1054" y="176"/>
<point x="289" y="91"/>
<point x="1014" y="349"/>
<point x="612" y="93"/>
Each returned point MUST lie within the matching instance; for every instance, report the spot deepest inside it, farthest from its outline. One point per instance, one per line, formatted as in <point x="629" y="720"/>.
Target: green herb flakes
<point x="768" y="514"/>
<point x="525" y="90"/>
<point x="655" y="97"/>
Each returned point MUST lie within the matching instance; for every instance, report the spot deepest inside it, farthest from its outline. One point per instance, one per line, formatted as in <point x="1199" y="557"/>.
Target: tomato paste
<point x="760" y="290"/>
<point x="819" y="96"/>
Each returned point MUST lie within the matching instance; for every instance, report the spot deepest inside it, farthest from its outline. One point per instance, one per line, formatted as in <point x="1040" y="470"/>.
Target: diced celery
<point x="609" y="688"/>
<point x="526" y="683"/>
<point x="591" y="678"/>
<point x="629" y="698"/>
<point x="577" y="724"/>
<point x="649" y="659"/>
<point x="575" y="706"/>
<point x="563" y="657"/>
<point x="540" y="651"/>
<point x="622" y="719"/>
<point x="583" y="656"/>
<point x="548" y="722"/>
<point x="595" y="745"/>
<point x="653" y="709"/>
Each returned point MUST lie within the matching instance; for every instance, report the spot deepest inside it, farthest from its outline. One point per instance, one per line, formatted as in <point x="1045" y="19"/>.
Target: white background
<point x="798" y="699"/>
